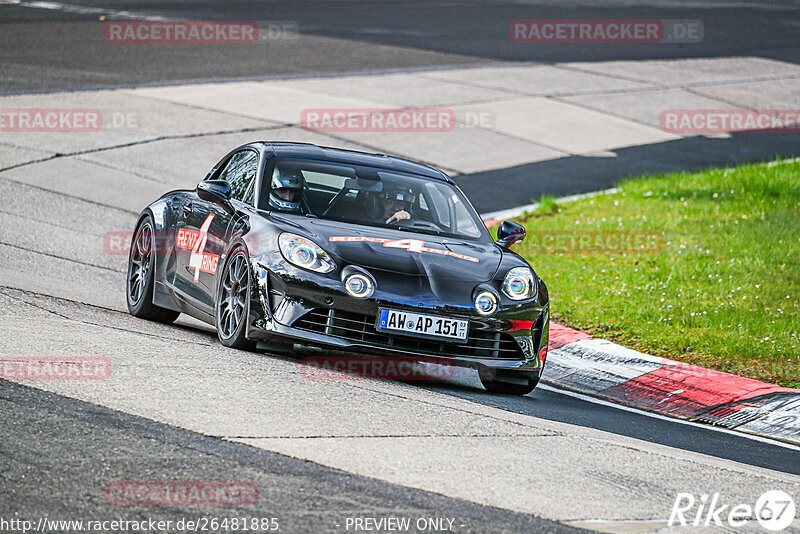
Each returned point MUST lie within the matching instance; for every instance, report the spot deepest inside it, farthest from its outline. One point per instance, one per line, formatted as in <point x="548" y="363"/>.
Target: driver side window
<point x="239" y="172"/>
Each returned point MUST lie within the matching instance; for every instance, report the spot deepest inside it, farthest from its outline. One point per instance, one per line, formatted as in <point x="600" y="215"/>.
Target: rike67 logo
<point x="774" y="510"/>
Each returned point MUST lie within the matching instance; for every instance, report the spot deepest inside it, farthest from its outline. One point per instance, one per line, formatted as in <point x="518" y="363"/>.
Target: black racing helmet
<point x="399" y="193"/>
<point x="286" y="190"/>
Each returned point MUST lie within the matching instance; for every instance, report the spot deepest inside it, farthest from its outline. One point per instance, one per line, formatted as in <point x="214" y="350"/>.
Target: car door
<point x="204" y="231"/>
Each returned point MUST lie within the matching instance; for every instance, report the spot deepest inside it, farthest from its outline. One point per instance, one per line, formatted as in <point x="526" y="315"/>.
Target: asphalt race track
<point x="45" y="49"/>
<point x="76" y="442"/>
<point x="180" y="406"/>
<point x="58" y="452"/>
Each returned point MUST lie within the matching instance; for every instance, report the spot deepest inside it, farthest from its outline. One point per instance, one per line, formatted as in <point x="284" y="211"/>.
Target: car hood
<point x="404" y="252"/>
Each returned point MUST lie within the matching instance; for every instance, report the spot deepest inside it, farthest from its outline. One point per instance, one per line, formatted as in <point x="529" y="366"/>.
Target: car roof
<point x="285" y="149"/>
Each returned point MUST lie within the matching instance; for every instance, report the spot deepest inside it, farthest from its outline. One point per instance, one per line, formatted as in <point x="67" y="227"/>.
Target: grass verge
<point x="703" y="267"/>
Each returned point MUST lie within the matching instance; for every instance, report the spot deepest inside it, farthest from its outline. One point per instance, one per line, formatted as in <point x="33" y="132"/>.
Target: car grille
<point x="361" y="327"/>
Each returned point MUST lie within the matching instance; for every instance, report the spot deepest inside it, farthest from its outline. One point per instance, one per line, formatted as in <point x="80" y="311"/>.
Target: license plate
<point x="422" y="325"/>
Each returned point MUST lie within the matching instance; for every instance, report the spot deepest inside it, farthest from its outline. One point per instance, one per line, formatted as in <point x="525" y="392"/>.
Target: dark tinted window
<point x="240" y="172"/>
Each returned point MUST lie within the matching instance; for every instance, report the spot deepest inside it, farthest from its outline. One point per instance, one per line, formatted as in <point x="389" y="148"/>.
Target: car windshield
<point x="374" y="197"/>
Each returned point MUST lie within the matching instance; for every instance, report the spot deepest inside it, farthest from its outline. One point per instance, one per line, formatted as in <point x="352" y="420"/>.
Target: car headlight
<point x="520" y="284"/>
<point x="305" y="253"/>
<point x="485" y="303"/>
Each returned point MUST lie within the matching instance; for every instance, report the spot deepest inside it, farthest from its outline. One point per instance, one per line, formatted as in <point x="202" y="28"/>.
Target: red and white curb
<point x="578" y="362"/>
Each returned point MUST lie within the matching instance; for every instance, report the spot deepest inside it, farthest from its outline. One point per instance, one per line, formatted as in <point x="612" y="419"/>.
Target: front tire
<point x="508" y="383"/>
<point x="141" y="276"/>
<point x="232" y="306"/>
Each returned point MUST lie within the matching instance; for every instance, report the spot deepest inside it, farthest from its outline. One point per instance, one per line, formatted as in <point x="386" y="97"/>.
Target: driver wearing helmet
<point x="395" y="203"/>
<point x="287" y="190"/>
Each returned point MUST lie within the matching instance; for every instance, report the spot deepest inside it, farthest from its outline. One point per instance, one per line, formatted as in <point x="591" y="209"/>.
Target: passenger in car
<point x="395" y="203"/>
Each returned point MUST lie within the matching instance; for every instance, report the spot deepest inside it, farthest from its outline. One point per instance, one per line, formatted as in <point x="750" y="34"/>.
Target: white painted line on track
<point x="602" y="402"/>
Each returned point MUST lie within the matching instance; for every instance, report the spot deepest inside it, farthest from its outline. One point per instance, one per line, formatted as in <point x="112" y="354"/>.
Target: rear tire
<point x="508" y="383"/>
<point x="232" y="306"/>
<point x="141" y="276"/>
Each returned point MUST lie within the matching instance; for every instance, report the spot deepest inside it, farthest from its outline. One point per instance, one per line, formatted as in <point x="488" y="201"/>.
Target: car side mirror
<point x="216" y="191"/>
<point x="510" y="233"/>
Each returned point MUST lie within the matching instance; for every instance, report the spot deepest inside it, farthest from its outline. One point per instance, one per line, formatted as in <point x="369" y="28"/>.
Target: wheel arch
<point x="258" y="313"/>
<point x="163" y="294"/>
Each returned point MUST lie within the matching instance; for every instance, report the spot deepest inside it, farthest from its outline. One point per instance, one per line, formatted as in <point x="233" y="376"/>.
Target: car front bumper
<point x="288" y="303"/>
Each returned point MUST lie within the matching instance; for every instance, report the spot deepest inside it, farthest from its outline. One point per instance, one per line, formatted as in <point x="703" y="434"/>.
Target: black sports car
<point x="286" y="243"/>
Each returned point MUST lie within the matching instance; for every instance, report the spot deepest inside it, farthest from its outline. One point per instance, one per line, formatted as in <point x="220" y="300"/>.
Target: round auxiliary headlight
<point x="486" y="303"/>
<point x="359" y="286"/>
